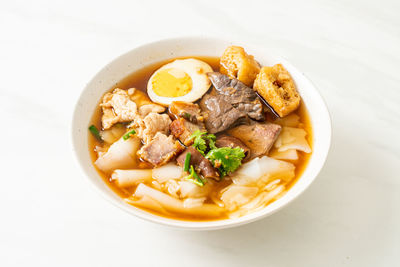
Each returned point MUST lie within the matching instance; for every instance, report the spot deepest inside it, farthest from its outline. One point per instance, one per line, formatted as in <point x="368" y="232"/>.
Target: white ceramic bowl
<point x="195" y="46"/>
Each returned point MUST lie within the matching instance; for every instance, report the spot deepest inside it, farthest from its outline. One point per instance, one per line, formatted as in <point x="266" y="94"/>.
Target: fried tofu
<point x="236" y="63"/>
<point x="277" y="88"/>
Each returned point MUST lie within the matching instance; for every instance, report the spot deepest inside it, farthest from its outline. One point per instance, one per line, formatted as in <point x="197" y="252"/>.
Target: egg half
<point x="181" y="80"/>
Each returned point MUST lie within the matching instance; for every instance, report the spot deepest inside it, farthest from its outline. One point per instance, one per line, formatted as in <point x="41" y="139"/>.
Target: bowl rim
<point x="200" y="225"/>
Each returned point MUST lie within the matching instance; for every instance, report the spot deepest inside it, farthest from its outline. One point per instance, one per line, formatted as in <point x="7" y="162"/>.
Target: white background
<point x="49" y="216"/>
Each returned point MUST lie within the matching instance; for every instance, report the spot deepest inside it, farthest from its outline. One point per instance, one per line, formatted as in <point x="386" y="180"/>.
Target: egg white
<point x="200" y="82"/>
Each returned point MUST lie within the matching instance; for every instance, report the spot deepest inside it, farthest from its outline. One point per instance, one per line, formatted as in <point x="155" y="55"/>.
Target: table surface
<point x="350" y="216"/>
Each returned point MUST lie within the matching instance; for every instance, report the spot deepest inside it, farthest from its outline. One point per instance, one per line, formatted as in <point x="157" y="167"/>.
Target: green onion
<point x="95" y="132"/>
<point x="187" y="162"/>
<point x="128" y="134"/>
<point x="186" y="115"/>
<point x="194" y="177"/>
<point x="198" y="180"/>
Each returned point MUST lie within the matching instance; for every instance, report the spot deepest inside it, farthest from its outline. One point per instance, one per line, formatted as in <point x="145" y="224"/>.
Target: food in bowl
<point x="202" y="138"/>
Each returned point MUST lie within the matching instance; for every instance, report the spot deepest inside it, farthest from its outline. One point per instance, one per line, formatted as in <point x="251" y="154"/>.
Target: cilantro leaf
<point x="198" y="142"/>
<point x="211" y="141"/>
<point x="226" y="159"/>
<point x="201" y="140"/>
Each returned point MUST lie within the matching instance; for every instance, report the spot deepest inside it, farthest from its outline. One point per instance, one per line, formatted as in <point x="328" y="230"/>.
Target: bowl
<point x="195" y="46"/>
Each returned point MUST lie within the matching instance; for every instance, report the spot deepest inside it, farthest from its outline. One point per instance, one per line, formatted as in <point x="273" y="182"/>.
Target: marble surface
<point x="49" y="216"/>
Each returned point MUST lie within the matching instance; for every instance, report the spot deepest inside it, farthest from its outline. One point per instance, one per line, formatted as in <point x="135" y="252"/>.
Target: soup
<point x="202" y="138"/>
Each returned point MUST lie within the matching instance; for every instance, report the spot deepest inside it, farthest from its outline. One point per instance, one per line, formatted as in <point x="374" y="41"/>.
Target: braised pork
<point x="258" y="137"/>
<point x="160" y="150"/>
<point x="238" y="94"/>
<point x="200" y="163"/>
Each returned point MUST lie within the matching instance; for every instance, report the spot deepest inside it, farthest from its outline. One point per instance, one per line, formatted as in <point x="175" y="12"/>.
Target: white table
<point x="49" y="216"/>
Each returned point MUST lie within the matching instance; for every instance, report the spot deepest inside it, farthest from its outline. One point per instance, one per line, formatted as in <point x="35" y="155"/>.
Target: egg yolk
<point x="171" y="83"/>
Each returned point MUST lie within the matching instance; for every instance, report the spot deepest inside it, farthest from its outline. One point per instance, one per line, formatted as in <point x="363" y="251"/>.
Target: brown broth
<point x="139" y="81"/>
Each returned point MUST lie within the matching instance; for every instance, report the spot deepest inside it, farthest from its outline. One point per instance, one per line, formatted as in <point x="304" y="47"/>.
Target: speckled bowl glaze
<point x="195" y="46"/>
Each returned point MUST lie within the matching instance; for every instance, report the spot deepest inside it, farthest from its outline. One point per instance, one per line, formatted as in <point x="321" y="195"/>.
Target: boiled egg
<point x="181" y="80"/>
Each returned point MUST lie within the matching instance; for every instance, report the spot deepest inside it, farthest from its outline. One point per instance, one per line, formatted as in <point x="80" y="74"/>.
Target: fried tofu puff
<point x="276" y="86"/>
<point x="236" y="63"/>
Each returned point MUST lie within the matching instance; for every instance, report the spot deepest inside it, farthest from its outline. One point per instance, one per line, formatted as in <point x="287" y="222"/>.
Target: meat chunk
<point x="188" y="111"/>
<point x="188" y="120"/>
<point x="236" y="63"/>
<point x="152" y="124"/>
<point x="259" y="137"/>
<point x="160" y="150"/>
<point x="277" y="88"/>
<point x="139" y="97"/>
<point x="183" y="129"/>
<point x="199" y="162"/>
<point x="230" y="141"/>
<point x="220" y="113"/>
<point x="238" y="94"/>
<point x="126" y="106"/>
<point x="231" y="103"/>
<point x="149" y="108"/>
<point x="117" y="107"/>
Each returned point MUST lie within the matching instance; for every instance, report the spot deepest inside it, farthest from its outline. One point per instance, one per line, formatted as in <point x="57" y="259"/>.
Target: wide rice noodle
<point x="175" y="205"/>
<point x="120" y="155"/>
<point x="113" y="134"/>
<point x="260" y="171"/>
<point x="248" y="173"/>
<point x="277" y="169"/>
<point x="189" y="189"/>
<point x="193" y="202"/>
<point x="259" y="202"/>
<point x="290" y="154"/>
<point x="291" y="120"/>
<point x="167" y="172"/>
<point x="126" y="178"/>
<point x="234" y="196"/>
<point x="272" y="185"/>
<point x="172" y="187"/>
<point x="292" y="138"/>
<point x="146" y="202"/>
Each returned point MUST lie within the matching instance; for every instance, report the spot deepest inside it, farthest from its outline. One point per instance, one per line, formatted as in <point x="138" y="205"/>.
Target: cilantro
<point x="194" y="177"/>
<point x="226" y="159"/>
<point x="211" y="141"/>
<point x="200" y="141"/>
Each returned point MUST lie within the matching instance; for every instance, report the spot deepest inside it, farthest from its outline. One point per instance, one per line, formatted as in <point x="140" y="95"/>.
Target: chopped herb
<point x="186" y="115"/>
<point x="187" y="162"/>
<point x="226" y="159"/>
<point x="128" y="134"/>
<point x="211" y="141"/>
<point x="194" y="177"/>
<point x="93" y="129"/>
<point x="197" y="177"/>
<point x="200" y="141"/>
